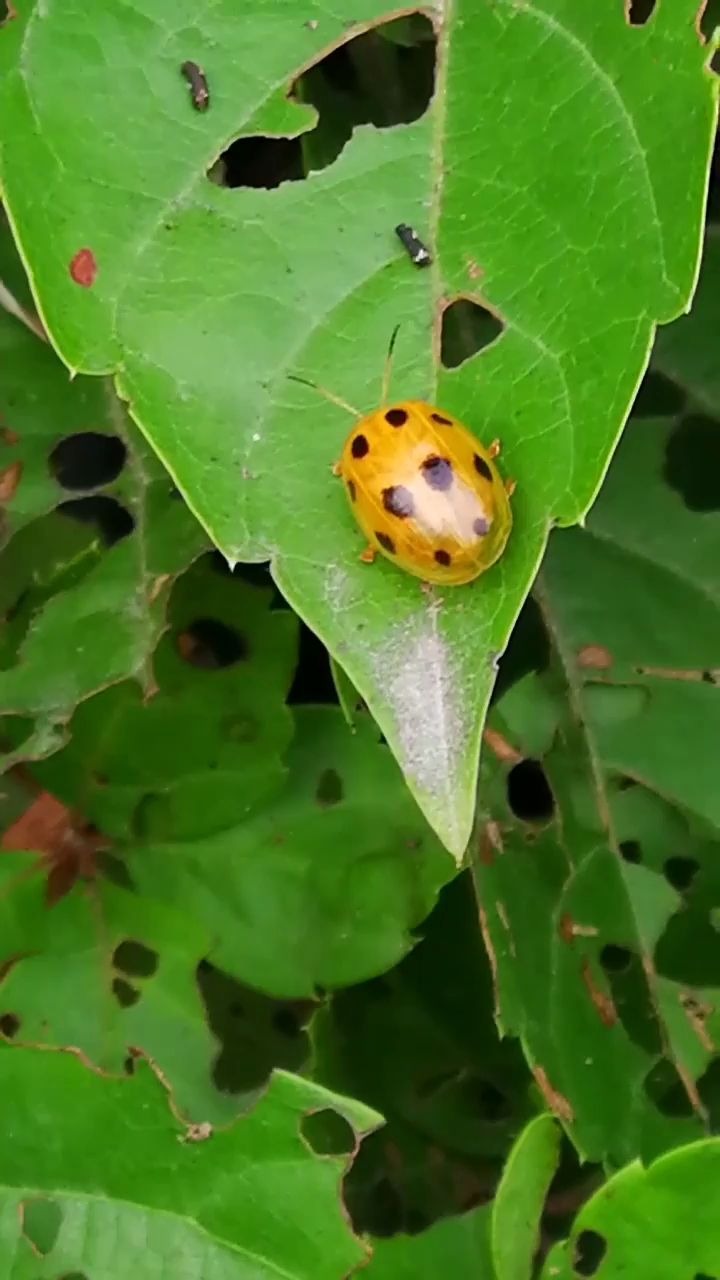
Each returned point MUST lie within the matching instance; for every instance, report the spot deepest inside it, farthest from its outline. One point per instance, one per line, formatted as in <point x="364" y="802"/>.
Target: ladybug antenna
<point x="388" y="366"/>
<point x="327" y="395"/>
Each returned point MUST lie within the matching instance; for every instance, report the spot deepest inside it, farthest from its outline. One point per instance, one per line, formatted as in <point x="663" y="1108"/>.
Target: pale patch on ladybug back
<point x="457" y="513"/>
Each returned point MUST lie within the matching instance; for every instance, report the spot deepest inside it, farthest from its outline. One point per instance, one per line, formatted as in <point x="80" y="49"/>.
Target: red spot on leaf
<point x="83" y="268"/>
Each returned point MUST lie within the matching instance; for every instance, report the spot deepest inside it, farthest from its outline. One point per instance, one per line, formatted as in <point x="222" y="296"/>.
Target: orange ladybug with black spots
<point x="426" y="493"/>
<point x="423" y="489"/>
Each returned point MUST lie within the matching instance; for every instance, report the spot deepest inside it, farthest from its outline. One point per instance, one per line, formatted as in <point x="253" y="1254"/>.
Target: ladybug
<point x="423" y="489"/>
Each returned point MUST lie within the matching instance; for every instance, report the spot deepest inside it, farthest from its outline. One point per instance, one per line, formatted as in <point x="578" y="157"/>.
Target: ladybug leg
<point x="495" y="449"/>
<point x="368" y="555"/>
<point x="510" y="487"/>
<point x="337" y="468"/>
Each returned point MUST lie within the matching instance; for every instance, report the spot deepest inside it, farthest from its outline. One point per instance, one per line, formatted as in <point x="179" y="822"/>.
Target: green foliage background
<point x="255" y="1021"/>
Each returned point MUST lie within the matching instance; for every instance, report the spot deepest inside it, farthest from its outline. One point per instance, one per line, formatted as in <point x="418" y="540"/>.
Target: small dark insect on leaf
<point x="199" y="91"/>
<point x="411" y="242"/>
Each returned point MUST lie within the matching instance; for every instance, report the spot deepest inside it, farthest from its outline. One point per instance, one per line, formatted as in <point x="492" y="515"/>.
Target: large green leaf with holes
<point x="656" y="1223"/>
<point x="598" y="899"/>
<point x="550" y="198"/>
<point x="248" y="1202"/>
<point x="306" y="862"/>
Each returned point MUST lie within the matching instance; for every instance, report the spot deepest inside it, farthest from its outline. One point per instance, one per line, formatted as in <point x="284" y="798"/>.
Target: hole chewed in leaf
<point x="666" y="1090"/>
<point x="382" y="77"/>
<point x="87" y="460"/>
<point x="327" y="1133"/>
<point x="615" y="959"/>
<point x="329" y="788"/>
<point x="590" y="1249"/>
<point x="125" y="994"/>
<point x="112" y="519"/>
<point x="680" y="872"/>
<point x="630" y="850"/>
<point x="528" y="792"/>
<point x="210" y="644"/>
<point x="467" y="328"/>
<point x="638" y="12"/>
<point x="135" y="959"/>
<point x="41" y="1220"/>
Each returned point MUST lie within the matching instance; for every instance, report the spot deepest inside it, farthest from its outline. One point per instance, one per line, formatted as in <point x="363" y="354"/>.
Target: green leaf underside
<point x="206" y="298"/>
<point x="660" y="1223"/>
<point x="605" y="963"/>
<point x="520" y="1198"/>
<point x="249" y="1202"/>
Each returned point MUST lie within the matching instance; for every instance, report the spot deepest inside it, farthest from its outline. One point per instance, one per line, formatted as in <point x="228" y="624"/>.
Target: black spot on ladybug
<point x="444" y="422"/>
<point x="482" y="467"/>
<point x="480" y="526"/>
<point x="443" y="557"/>
<point x="398" y="501"/>
<point x="359" y="446"/>
<point x="438" y="472"/>
<point x="396" y="417"/>
<point x="385" y="541"/>
<point x="351" y="489"/>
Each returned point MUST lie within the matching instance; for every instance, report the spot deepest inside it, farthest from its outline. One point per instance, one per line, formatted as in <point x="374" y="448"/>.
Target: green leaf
<point x="306" y="863"/>
<point x="520" y="1197"/>
<point x="458" y="1247"/>
<point x="248" y="1202"/>
<point x="595" y="902"/>
<point x="80" y="614"/>
<point x="67" y="983"/>
<point x="557" y="191"/>
<point x="660" y="1223"/>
